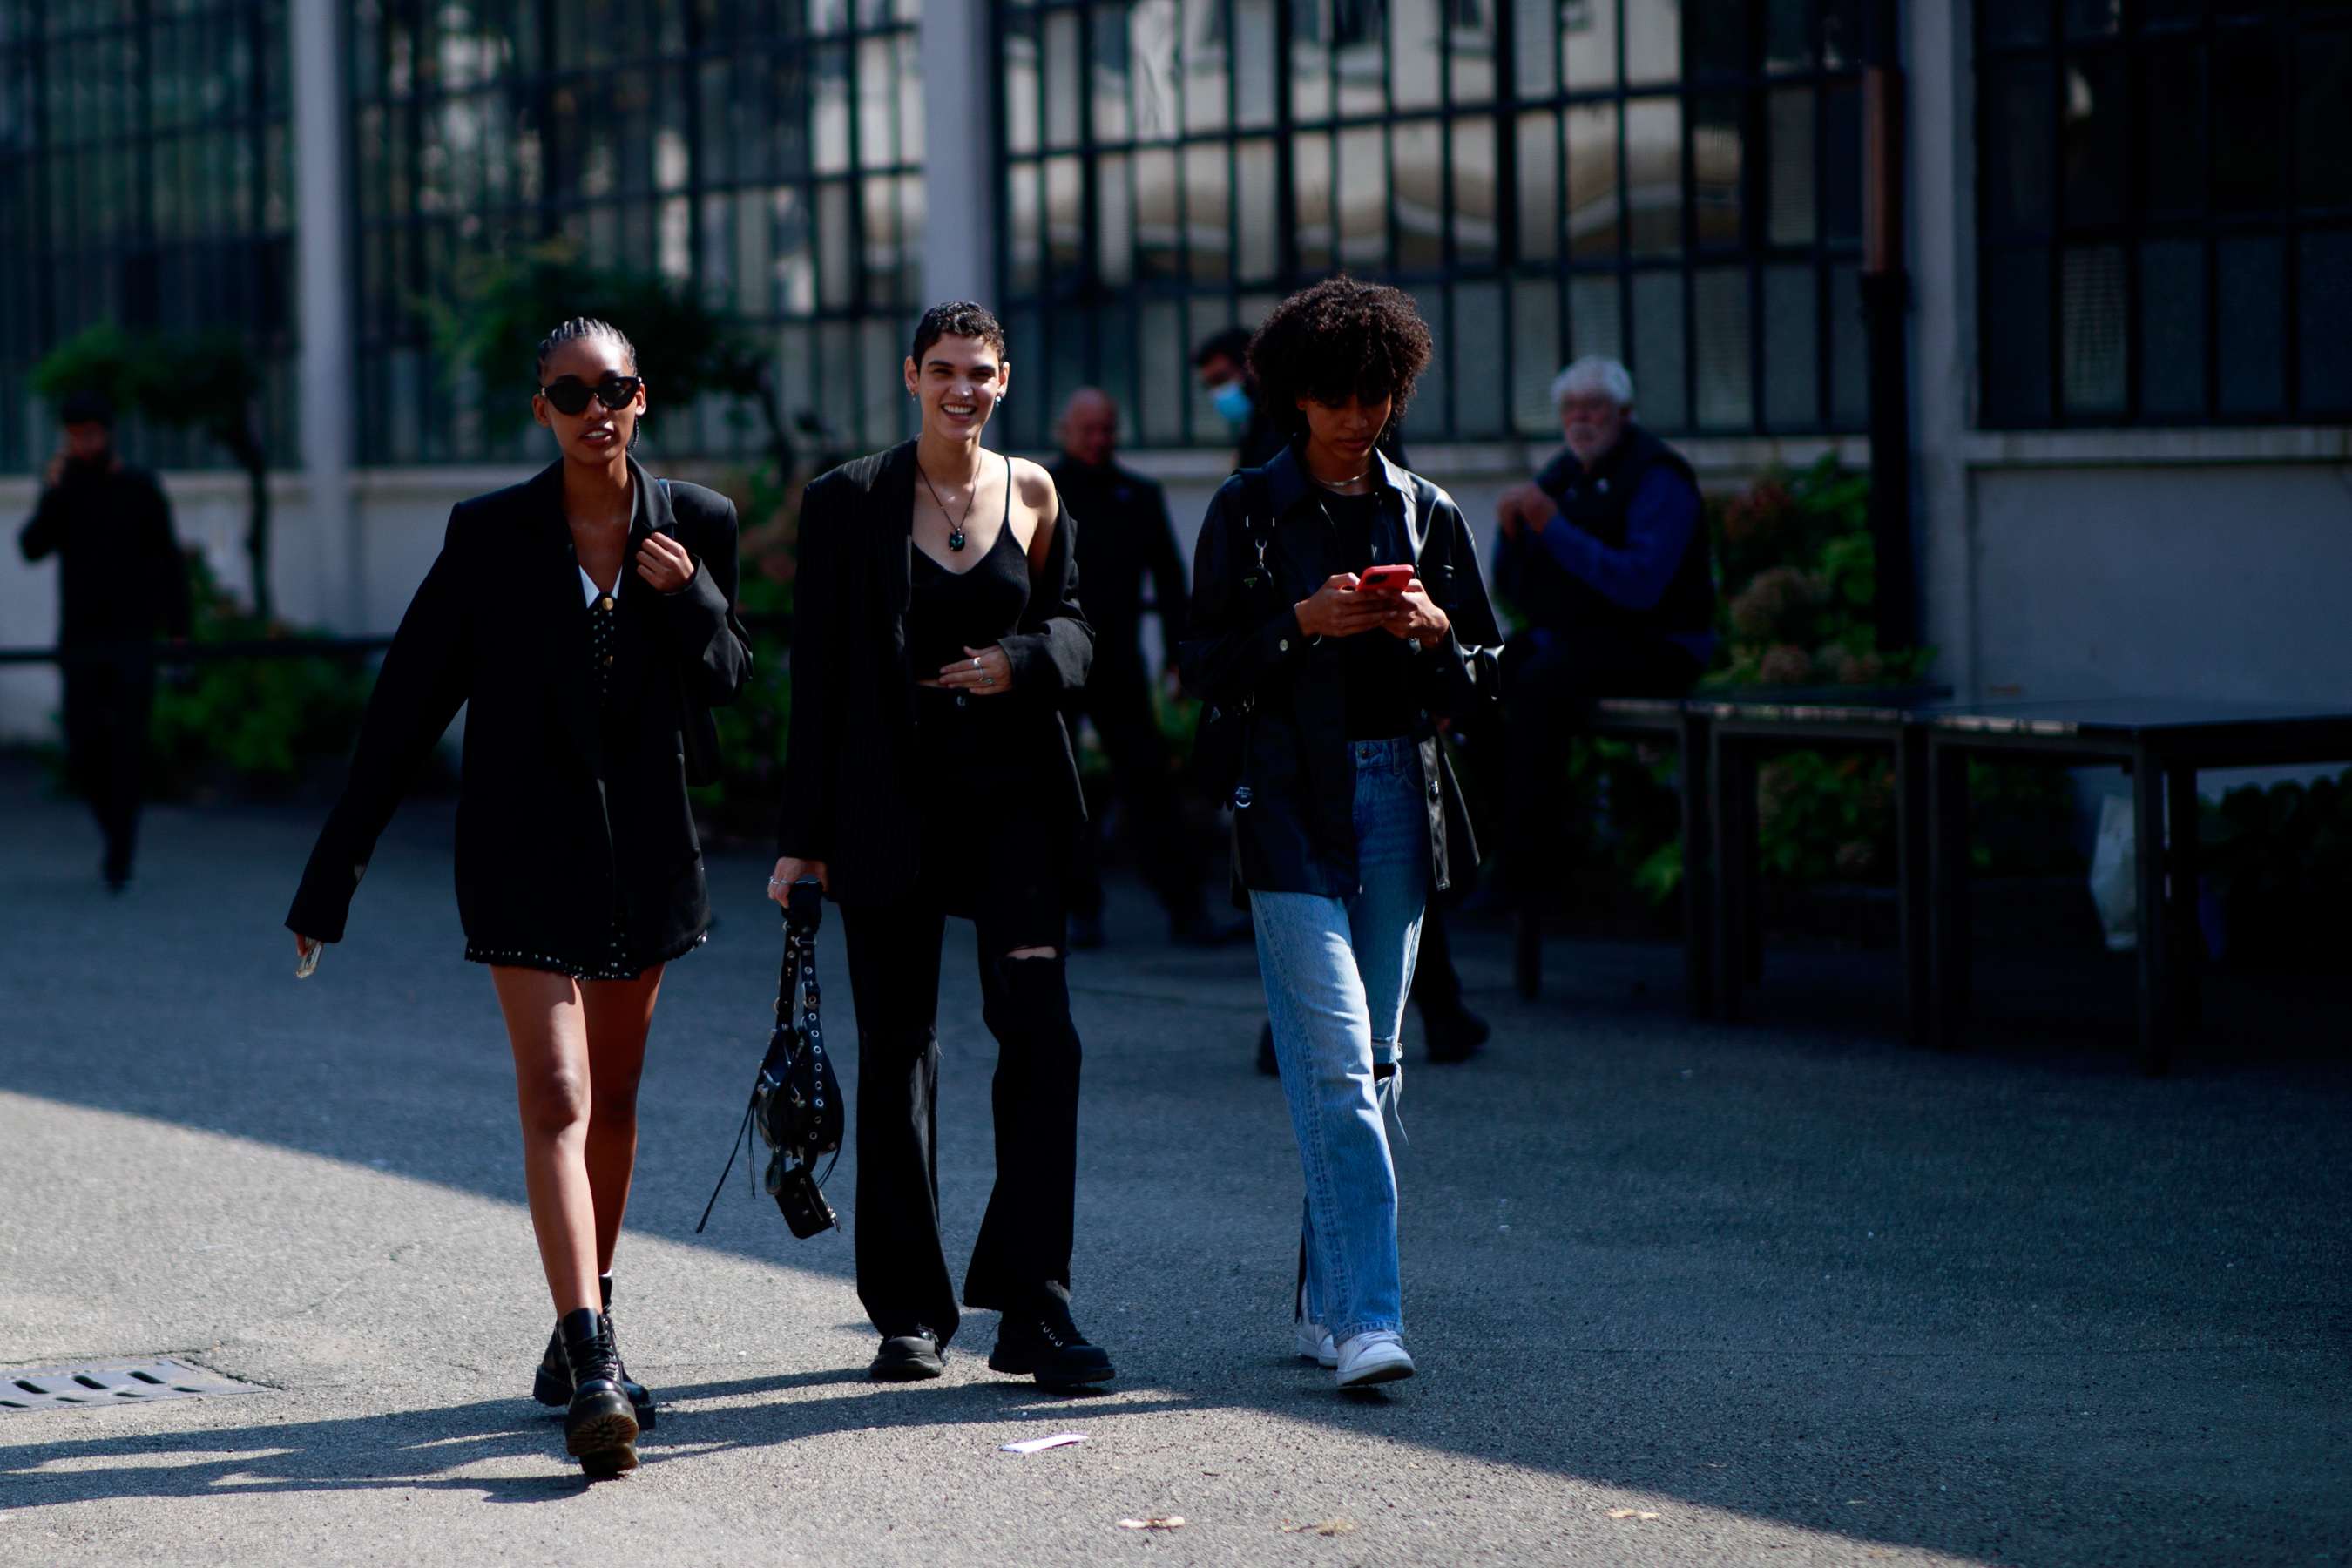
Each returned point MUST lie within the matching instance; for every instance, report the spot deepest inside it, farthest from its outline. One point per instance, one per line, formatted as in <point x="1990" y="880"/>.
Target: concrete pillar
<point x="959" y="153"/>
<point x="1943" y="363"/>
<point x="330" y="370"/>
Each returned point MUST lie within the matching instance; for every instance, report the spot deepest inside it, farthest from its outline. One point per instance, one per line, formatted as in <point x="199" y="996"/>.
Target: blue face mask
<point x="1233" y="401"/>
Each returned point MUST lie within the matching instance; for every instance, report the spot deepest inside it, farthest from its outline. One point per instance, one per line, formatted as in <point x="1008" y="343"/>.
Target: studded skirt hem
<point x="617" y="964"/>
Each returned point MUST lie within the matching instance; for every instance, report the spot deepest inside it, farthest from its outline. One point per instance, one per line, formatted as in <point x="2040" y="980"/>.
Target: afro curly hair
<point x="1340" y="339"/>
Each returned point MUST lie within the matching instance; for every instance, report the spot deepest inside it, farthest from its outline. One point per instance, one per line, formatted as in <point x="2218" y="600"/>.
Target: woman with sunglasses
<point x="587" y="617"/>
<point x="936" y="639"/>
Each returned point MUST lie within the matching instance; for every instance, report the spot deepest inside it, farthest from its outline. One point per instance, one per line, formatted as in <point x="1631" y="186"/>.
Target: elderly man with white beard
<point x="1604" y="557"/>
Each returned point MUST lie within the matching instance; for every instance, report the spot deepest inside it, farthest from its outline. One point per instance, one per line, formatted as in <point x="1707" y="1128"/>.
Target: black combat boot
<point x="599" y="1428"/>
<point x="552" y="1383"/>
<point x="1044" y="1343"/>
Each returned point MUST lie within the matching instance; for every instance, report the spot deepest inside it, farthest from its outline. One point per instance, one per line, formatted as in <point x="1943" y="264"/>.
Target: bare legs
<point x="579" y="1050"/>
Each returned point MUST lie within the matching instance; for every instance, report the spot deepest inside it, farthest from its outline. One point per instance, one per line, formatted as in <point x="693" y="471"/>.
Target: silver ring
<point x="988" y="680"/>
<point x="975" y="664"/>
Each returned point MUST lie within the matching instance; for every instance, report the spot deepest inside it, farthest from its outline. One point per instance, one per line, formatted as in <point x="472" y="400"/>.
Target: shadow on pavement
<point x="2008" y="1304"/>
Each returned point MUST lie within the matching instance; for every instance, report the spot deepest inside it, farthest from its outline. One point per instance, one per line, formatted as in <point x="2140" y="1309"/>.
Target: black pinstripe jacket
<point x="853" y="787"/>
<point x="558" y="814"/>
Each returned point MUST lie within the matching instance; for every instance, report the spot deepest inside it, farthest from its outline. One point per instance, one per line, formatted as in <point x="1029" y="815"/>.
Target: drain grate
<point x="112" y="1383"/>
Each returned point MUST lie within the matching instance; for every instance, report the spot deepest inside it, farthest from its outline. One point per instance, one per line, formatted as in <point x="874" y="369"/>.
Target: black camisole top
<point x="951" y="611"/>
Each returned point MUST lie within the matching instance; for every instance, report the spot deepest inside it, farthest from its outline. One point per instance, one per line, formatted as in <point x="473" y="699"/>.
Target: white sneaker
<point x="1314" y="1345"/>
<point x="1376" y="1355"/>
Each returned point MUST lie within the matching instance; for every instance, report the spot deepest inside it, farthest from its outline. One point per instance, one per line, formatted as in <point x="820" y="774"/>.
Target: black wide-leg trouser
<point x="1024" y="1248"/>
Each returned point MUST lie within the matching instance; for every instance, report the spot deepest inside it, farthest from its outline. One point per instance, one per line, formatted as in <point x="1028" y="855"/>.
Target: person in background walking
<point x="1123" y="540"/>
<point x="585" y="619"/>
<point x="1346" y="816"/>
<point x="1605" y="556"/>
<point x="121" y="579"/>
<point x="937" y="644"/>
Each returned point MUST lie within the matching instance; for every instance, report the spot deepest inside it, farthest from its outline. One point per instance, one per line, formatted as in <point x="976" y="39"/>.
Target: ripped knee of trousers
<point x="1031" y="996"/>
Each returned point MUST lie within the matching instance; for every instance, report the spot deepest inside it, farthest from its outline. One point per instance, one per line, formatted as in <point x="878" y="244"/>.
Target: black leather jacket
<point x="1296" y="833"/>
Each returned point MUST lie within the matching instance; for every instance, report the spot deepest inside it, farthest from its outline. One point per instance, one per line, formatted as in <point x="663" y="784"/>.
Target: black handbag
<point x="1221" y="740"/>
<point x="796" y="1099"/>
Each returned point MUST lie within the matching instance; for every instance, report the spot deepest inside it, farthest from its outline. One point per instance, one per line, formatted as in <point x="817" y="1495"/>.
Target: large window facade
<point x="767" y="152"/>
<point x="1676" y="183"/>
<point x="144" y="180"/>
<point x="2165" y="212"/>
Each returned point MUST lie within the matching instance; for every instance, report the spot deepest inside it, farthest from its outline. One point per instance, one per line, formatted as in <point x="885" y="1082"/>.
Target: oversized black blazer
<point x="554" y="814"/>
<point x="1296" y="833"/>
<point x="853" y="790"/>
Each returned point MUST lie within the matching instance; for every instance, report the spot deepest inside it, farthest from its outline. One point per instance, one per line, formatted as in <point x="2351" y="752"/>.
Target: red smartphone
<point x="1390" y="578"/>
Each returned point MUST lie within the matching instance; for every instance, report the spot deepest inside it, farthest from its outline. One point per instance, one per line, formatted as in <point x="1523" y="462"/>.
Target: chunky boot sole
<point x="610" y="1462"/>
<point x="606" y="1422"/>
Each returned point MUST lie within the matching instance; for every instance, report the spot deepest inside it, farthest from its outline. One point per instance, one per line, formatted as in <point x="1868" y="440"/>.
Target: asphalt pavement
<point x="1785" y="1293"/>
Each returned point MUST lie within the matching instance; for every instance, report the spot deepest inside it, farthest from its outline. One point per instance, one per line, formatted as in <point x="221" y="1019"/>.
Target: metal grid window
<point x="769" y="151"/>
<point x="2164" y="212"/>
<point x="144" y="180"/>
<point x="1677" y="184"/>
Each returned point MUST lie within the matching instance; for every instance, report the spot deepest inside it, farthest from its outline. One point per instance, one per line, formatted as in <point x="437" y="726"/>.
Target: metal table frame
<point x="2162" y="746"/>
<point x="1741" y="731"/>
<point x="1685" y="725"/>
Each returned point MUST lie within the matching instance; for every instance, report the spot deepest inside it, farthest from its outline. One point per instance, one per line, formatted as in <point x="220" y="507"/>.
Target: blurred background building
<point x="2121" y="256"/>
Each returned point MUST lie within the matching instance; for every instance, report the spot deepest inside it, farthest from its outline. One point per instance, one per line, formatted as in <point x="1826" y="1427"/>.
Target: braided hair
<point x="580" y="327"/>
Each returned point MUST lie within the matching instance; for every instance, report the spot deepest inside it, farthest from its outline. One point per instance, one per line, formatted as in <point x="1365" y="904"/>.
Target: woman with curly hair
<point x="1337" y="608"/>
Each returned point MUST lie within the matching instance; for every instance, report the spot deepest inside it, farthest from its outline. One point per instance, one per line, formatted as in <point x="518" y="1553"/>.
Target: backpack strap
<point x="1257" y="533"/>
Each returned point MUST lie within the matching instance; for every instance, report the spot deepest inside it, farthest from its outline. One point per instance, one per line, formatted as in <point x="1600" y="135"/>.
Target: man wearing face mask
<point x="1604" y="557"/>
<point x="121" y="579"/>
<point x="1223" y="364"/>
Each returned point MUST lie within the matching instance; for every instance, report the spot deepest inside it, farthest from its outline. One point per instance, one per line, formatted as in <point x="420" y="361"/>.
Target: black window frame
<point x="2147" y="312"/>
<point x="1093" y="326"/>
<point x="146" y="180"/>
<point x="745" y="91"/>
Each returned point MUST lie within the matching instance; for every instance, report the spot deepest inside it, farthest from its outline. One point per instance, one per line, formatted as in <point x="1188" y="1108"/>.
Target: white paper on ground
<point x="1036" y="1444"/>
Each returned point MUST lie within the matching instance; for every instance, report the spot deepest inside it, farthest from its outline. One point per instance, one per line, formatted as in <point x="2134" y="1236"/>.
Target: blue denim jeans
<point x="1336" y="973"/>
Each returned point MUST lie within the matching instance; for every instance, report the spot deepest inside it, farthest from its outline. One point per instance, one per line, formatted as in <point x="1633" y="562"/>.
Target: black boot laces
<point x="595" y="1359"/>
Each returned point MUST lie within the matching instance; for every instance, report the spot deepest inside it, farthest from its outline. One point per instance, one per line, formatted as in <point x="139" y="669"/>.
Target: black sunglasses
<point x="571" y="394"/>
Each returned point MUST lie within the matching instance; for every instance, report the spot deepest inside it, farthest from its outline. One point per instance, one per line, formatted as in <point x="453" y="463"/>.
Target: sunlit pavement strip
<point x="362" y="1424"/>
<point x="1680" y="1295"/>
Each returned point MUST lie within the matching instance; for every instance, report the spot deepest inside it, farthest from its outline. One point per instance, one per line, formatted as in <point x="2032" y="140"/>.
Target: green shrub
<point x="1798" y="574"/>
<point x="1796" y="564"/>
<point x="2281" y="860"/>
<point x="258" y="719"/>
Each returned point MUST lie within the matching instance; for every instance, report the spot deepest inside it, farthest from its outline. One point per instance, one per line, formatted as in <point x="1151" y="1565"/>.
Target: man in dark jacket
<point x="1122" y="540"/>
<point x="121" y="579"/>
<point x="1605" y="557"/>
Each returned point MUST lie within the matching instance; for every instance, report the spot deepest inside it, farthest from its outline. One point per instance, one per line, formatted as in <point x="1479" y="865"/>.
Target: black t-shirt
<point x="1381" y="702"/>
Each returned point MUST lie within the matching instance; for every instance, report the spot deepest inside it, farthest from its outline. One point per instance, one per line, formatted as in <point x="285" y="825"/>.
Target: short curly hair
<point x="1339" y="340"/>
<point x="957" y="319"/>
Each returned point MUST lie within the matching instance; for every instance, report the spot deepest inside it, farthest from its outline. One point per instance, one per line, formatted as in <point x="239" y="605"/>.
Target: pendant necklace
<point x="955" y="528"/>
